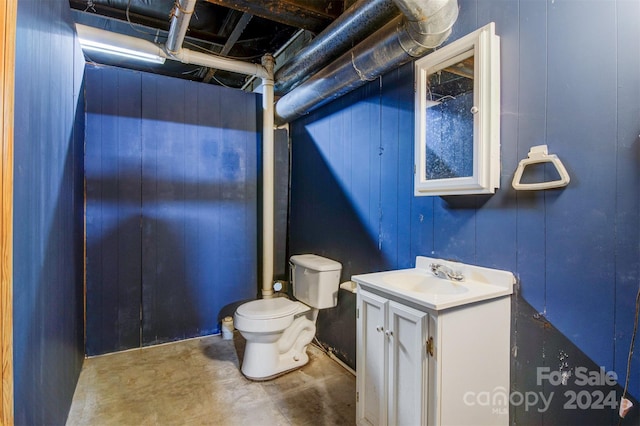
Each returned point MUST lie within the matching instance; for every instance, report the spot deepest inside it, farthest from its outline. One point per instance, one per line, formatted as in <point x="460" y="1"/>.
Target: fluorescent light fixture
<point x="95" y="46"/>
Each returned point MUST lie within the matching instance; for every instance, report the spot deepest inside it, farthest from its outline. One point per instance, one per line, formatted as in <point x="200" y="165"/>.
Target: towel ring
<point x="538" y="154"/>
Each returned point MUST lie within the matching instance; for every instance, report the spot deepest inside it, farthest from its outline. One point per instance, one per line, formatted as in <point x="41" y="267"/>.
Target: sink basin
<point x="419" y="286"/>
<point x="422" y="283"/>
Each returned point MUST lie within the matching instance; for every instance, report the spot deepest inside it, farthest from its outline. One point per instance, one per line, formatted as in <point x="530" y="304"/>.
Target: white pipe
<point x="219" y="62"/>
<point x="185" y="55"/>
<point x="182" y="12"/>
<point x="268" y="180"/>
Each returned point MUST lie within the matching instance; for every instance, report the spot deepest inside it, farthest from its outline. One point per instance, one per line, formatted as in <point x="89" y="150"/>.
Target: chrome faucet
<point x="445" y="272"/>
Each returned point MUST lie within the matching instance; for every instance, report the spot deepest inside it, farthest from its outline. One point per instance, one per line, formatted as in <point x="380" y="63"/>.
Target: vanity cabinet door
<point x="371" y="360"/>
<point x="408" y="372"/>
<point x="391" y="361"/>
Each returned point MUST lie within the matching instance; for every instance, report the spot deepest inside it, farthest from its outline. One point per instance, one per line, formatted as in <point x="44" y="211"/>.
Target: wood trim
<point x="8" y="16"/>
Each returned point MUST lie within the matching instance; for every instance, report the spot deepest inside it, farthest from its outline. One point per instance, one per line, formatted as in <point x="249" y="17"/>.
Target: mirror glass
<point x="457" y="144"/>
<point x="449" y="133"/>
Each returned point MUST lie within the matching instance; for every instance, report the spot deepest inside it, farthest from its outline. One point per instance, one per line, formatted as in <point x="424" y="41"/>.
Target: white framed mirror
<point x="457" y="117"/>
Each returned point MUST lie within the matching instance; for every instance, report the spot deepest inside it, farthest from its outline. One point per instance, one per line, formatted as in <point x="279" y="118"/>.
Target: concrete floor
<point x="198" y="382"/>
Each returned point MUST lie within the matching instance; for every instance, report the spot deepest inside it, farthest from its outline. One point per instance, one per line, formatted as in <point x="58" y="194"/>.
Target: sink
<point x="423" y="283"/>
<point x="420" y="286"/>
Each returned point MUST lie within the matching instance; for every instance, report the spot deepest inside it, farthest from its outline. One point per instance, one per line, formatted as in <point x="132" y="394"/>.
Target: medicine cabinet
<point x="457" y="116"/>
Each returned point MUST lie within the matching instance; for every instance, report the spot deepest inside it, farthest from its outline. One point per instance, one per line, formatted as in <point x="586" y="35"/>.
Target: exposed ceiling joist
<point x="136" y="18"/>
<point x="295" y="14"/>
<point x="231" y="41"/>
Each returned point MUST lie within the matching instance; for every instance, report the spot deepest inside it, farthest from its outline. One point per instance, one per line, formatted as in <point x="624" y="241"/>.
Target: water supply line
<point x="423" y="26"/>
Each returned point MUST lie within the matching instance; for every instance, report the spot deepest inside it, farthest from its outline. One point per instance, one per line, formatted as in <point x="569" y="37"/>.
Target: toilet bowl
<point x="278" y="330"/>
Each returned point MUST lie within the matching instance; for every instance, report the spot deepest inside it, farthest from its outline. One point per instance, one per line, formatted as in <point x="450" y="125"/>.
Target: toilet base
<point x="261" y="378"/>
<point x="265" y="360"/>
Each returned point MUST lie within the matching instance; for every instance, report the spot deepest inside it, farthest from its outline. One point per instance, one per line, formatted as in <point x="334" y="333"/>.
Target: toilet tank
<point x="315" y="280"/>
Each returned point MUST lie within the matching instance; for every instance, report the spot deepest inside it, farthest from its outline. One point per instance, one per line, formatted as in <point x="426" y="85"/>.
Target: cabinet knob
<point x="389" y="333"/>
<point x="379" y="328"/>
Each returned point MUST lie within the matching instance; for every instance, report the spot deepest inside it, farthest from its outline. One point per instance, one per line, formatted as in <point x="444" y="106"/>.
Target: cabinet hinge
<point x="357" y="396"/>
<point x="357" y="313"/>
<point x="430" y="346"/>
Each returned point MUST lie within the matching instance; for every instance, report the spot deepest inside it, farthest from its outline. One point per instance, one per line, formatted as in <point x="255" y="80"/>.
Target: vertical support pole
<point x="268" y="180"/>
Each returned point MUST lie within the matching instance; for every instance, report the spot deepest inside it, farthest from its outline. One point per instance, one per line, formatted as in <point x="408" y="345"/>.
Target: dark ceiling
<point x="241" y="29"/>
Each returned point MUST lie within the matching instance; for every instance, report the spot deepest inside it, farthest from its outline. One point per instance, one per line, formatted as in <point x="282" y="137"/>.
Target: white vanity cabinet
<point x="424" y="363"/>
<point x="393" y="368"/>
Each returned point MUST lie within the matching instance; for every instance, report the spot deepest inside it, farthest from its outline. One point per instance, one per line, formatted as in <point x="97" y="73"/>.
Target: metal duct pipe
<point x="181" y="16"/>
<point x="427" y="24"/>
<point x="360" y="20"/>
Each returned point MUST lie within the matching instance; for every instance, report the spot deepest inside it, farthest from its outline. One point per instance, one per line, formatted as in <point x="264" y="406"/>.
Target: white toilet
<point x="278" y="330"/>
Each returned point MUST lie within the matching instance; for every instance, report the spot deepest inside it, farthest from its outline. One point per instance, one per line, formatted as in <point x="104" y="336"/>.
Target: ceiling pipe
<point x="186" y="56"/>
<point x="180" y="18"/>
<point x="424" y="25"/>
<point x="356" y="23"/>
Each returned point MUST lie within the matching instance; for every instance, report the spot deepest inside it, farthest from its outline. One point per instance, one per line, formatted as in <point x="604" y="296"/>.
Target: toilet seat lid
<point x="277" y="307"/>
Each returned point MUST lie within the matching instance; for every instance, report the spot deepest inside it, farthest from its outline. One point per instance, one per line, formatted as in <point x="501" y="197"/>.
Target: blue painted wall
<point x="48" y="213"/>
<point x="171" y="172"/>
<point x="576" y="251"/>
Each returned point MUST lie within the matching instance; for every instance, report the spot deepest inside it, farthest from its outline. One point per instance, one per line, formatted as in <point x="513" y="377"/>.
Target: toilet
<point x="278" y="330"/>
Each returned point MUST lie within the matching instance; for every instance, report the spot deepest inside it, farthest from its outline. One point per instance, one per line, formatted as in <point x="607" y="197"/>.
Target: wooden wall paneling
<point x="532" y="124"/>
<point x="199" y="206"/>
<point x="282" y="203"/>
<point x="365" y="139"/>
<point x="396" y="180"/>
<point x="405" y="99"/>
<point x="309" y="168"/>
<point x="528" y="334"/>
<point x="128" y="150"/>
<point x="209" y="190"/>
<point x="152" y="146"/>
<point x="113" y="209"/>
<point x="303" y="142"/>
<point x="166" y="293"/>
<point x="326" y="216"/>
<point x="389" y="169"/>
<point x="496" y="218"/>
<point x="627" y="184"/>
<point x="580" y="220"/>
<point x="47" y="312"/>
<point x="186" y="174"/>
<point x="467" y="19"/>
<point x="350" y="161"/>
<point x="421" y="219"/>
<point x="237" y="206"/>
<point x="422" y="235"/>
<point x="93" y="211"/>
<point x="454" y="227"/>
<point x="8" y="11"/>
<point x="197" y="267"/>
